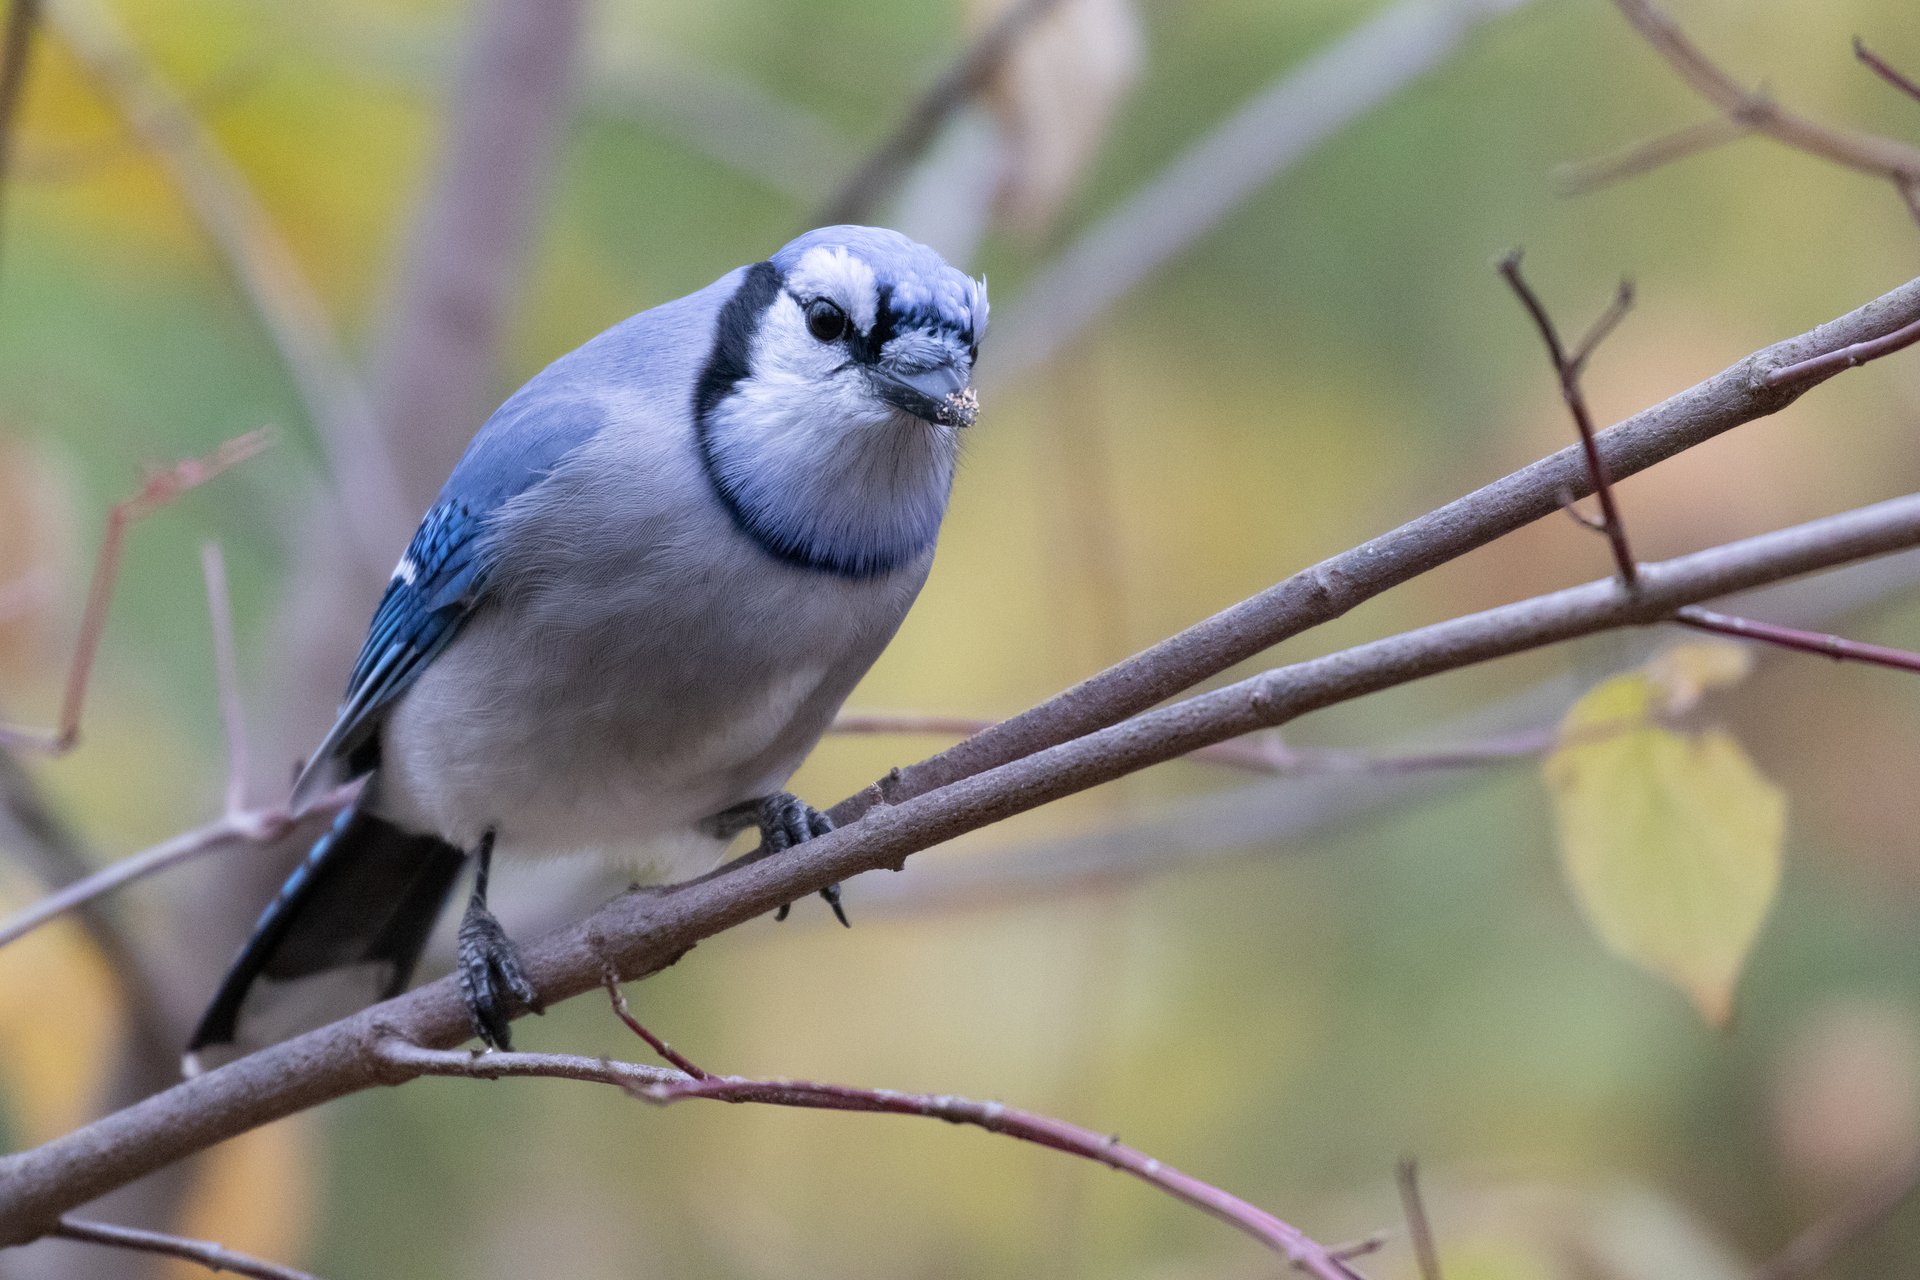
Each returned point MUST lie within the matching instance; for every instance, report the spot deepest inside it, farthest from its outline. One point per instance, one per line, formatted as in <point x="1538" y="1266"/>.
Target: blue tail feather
<point x="367" y="893"/>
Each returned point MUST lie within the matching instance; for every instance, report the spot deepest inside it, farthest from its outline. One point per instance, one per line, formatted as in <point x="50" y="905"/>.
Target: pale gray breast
<point x="640" y="666"/>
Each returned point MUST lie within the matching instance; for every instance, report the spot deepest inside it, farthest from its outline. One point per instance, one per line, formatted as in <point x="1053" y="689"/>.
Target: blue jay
<point x="658" y="571"/>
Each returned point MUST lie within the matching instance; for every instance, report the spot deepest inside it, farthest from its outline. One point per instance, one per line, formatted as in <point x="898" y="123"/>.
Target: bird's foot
<point x="786" y="820"/>
<point x="490" y="972"/>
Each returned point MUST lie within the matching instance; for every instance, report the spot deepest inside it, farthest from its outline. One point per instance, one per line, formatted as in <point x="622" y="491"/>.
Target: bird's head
<point x="840" y="373"/>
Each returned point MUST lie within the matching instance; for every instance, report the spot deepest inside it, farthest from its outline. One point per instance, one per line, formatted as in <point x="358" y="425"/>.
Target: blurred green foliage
<point x="1337" y="358"/>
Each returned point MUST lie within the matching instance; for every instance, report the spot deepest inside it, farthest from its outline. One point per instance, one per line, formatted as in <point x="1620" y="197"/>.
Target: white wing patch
<point x="405" y="572"/>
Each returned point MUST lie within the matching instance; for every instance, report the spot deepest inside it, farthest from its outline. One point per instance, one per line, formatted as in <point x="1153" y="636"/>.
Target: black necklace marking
<point x="726" y="368"/>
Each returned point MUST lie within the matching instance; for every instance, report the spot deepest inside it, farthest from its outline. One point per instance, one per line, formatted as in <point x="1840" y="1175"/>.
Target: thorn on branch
<point x="1879" y="67"/>
<point x="1567" y="366"/>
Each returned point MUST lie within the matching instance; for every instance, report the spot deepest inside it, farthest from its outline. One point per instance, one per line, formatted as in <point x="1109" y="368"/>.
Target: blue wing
<point x="437" y="585"/>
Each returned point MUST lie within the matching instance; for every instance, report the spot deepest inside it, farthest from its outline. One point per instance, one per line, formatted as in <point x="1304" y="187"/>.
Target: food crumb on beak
<point x="961" y="408"/>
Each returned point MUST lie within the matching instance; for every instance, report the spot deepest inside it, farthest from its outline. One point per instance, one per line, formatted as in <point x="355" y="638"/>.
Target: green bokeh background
<point x="1336" y="358"/>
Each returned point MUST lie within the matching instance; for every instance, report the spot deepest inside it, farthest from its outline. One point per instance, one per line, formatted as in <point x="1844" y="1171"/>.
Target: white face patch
<point x="840" y="278"/>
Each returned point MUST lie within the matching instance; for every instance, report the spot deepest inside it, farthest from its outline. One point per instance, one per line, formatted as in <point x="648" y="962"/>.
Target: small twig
<point x="1849" y="357"/>
<point x="1419" y="1229"/>
<point x="214" y="1257"/>
<point x="1362" y="1247"/>
<point x="1815" y="642"/>
<point x="259" y="826"/>
<point x="1568" y="366"/>
<point x="1896" y="161"/>
<point x="1809" y="1253"/>
<point x="879" y="173"/>
<point x="658" y="1085"/>
<point x="160" y="488"/>
<point x="16" y="58"/>
<point x="659" y="1046"/>
<point x="233" y="716"/>
<point x="1644" y="157"/>
<point x="1880" y="67"/>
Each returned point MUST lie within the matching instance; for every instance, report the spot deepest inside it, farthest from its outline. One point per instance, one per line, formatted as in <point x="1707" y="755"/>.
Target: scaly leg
<point x="784" y="820"/>
<point x="489" y="963"/>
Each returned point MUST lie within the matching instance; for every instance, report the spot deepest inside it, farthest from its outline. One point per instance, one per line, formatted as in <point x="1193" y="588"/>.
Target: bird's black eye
<point x="825" y="321"/>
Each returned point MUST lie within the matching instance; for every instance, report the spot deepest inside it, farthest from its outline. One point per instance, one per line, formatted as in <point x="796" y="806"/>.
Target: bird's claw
<point x="786" y="820"/>
<point x="490" y="972"/>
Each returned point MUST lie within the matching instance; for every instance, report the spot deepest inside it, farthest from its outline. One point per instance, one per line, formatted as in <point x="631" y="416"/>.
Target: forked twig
<point x="160" y="488"/>
<point x="1568" y="366"/>
<point x="659" y="1046"/>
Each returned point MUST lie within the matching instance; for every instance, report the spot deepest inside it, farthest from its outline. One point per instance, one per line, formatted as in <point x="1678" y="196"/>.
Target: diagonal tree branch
<point x="213" y="1257"/>
<point x="1736" y="395"/>
<point x="642" y="932"/>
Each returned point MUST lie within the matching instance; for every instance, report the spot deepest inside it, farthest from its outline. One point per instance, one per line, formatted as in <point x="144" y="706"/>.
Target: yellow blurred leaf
<point x="1671" y="838"/>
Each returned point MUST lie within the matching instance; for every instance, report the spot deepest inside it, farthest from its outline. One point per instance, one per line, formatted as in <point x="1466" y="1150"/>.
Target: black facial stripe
<point x="733" y="340"/>
<point x="726" y="367"/>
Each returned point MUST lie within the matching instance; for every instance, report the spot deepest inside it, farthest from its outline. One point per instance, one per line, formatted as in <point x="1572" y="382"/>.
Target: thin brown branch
<point x="656" y="1085"/>
<point x="1644" y="157"/>
<point x="1567" y="366"/>
<point x="206" y="1253"/>
<point x="246" y="827"/>
<point x="1814" y="1249"/>
<point x="233" y="716"/>
<point x="160" y="488"/>
<point x="1851" y="356"/>
<point x="640" y="933"/>
<point x="1264" y="753"/>
<point x="659" y="1046"/>
<point x="1896" y="161"/>
<point x="16" y="59"/>
<point x="1814" y="642"/>
<point x="879" y="174"/>
<point x="1419" y="1230"/>
<point x="1879" y="66"/>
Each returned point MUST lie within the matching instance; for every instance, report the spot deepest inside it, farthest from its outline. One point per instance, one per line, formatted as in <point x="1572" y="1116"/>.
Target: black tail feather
<point x="367" y="893"/>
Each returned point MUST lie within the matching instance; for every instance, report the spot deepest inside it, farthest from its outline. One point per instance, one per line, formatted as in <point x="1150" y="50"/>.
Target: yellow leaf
<point x="1671" y="840"/>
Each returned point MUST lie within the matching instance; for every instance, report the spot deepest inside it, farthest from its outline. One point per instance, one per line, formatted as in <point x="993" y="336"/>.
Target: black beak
<point x="938" y="395"/>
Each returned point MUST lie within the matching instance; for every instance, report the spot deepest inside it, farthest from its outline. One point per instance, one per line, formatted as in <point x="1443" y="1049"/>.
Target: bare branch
<point x="1851" y="356"/>
<point x="1567" y="366"/>
<point x="1826" y="646"/>
<point x="1879" y="67"/>
<point x="1644" y="157"/>
<point x="879" y="174"/>
<point x="659" y="1046"/>
<point x="1419" y="1230"/>
<point x="1898" y="162"/>
<point x="1329" y="589"/>
<point x="639" y="933"/>
<point x="654" y="1084"/>
<point x="16" y="59"/>
<point x="160" y="488"/>
<point x="233" y="716"/>
<point x="1811" y="1251"/>
<point x="1272" y="132"/>
<point x="212" y="1256"/>
<point x="254" y="827"/>
<point x="1261" y="754"/>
